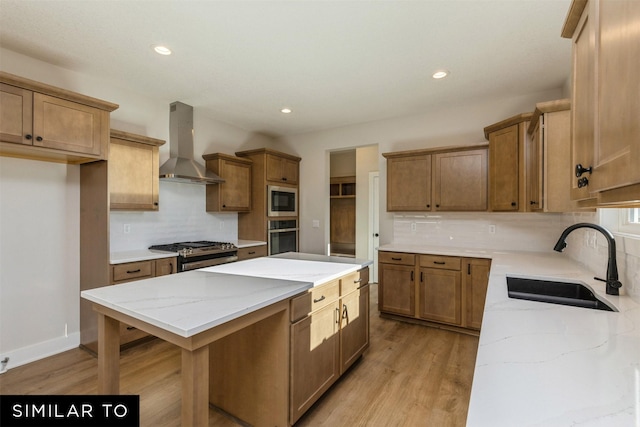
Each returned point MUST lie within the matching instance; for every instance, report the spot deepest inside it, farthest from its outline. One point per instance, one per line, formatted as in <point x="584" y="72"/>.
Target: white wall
<point x="39" y="208"/>
<point x="366" y="161"/>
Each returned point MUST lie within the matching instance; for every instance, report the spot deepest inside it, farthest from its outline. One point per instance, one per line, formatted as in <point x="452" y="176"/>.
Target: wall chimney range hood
<point x="181" y="167"/>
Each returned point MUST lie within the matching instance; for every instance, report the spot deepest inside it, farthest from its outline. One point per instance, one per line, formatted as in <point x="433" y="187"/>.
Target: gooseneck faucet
<point x="613" y="284"/>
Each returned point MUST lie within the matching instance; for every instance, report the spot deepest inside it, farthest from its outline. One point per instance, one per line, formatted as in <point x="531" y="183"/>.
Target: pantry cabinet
<point x="133" y="171"/>
<point x="42" y="122"/>
<point x="606" y="105"/>
<point x="507" y="141"/>
<point x="433" y="289"/>
<point x="439" y="179"/>
<point x="233" y="195"/>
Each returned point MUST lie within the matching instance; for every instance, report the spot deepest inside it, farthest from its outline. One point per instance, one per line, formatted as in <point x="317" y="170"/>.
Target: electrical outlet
<point x="221" y="225"/>
<point x="315" y="223"/>
<point x="413" y="227"/>
<point x="593" y="240"/>
<point x="126" y="228"/>
<point x="492" y="229"/>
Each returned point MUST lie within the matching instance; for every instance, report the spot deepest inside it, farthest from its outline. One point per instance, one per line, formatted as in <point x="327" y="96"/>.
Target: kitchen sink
<point x="565" y="293"/>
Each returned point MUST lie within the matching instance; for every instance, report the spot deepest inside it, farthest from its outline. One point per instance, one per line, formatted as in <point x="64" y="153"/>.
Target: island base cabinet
<point x="249" y="371"/>
<point x="354" y="335"/>
<point x="315" y="364"/>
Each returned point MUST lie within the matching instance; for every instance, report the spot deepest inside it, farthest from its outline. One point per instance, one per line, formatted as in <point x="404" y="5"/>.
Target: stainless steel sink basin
<point x="565" y="293"/>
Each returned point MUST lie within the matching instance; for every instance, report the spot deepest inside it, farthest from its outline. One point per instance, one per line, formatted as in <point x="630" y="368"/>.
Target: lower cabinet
<point x="252" y="252"/>
<point x="130" y="271"/>
<point x="441" y="289"/>
<point x="329" y="332"/>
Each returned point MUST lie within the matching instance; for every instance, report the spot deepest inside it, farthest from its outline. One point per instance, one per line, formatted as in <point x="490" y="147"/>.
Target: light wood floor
<point x="411" y="375"/>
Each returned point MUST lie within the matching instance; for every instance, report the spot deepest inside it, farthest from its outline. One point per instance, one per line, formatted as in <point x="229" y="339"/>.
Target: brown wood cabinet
<point x="433" y="289"/>
<point x="282" y="169"/>
<point x="342" y="215"/>
<point x="42" y="122"/>
<point x="439" y="179"/>
<point x="329" y="332"/>
<point x="233" y="195"/>
<point x="253" y="225"/>
<point x="606" y="105"/>
<point x="133" y="171"/>
<point x="252" y="252"/>
<point x="507" y="142"/>
<point x="548" y="163"/>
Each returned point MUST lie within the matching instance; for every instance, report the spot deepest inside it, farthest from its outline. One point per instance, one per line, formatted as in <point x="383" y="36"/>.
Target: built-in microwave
<point x="282" y="201"/>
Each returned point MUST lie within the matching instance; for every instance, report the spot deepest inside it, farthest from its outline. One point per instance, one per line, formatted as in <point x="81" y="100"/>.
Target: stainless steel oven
<point x="283" y="236"/>
<point x="282" y="201"/>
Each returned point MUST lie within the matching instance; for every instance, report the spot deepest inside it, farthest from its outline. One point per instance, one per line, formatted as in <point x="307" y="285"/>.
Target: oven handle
<point x="283" y="230"/>
<point x="208" y="263"/>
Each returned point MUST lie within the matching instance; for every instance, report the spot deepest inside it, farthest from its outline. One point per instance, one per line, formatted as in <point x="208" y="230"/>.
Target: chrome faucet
<point x="613" y="284"/>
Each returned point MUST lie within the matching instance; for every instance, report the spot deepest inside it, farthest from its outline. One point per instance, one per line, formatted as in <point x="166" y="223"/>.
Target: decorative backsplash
<point x="181" y="217"/>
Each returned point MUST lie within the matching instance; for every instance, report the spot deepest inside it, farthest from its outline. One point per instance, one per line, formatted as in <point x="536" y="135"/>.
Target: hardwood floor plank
<point x="411" y="375"/>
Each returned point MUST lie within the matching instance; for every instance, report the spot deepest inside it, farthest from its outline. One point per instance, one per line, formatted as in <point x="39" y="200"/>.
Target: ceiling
<point x="333" y="63"/>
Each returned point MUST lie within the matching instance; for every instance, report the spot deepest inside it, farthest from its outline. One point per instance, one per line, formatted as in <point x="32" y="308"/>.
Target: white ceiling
<point x="333" y="62"/>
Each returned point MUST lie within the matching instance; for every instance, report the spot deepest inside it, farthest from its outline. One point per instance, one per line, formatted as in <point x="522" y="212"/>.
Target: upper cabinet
<point x="233" y="195"/>
<point x="506" y="163"/>
<point x="605" y="133"/>
<point x="440" y="179"/>
<point x="548" y="160"/>
<point x="282" y="169"/>
<point x="133" y="171"/>
<point x="41" y="122"/>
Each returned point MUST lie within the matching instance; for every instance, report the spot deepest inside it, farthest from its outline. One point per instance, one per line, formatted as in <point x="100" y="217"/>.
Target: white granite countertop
<point x="324" y="258"/>
<point x="296" y="267"/>
<point x="551" y="365"/>
<point x="248" y="243"/>
<point x="138" y="255"/>
<point x="194" y="301"/>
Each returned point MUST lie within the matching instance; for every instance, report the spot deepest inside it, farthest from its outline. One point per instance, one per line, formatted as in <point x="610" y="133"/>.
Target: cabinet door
<point x="440" y="296"/>
<point x="460" y="181"/>
<point x="503" y="169"/>
<point x="396" y="292"/>
<point x="354" y="328"/>
<point x="534" y="168"/>
<point x="343" y="221"/>
<point x="584" y="102"/>
<point x="290" y="171"/>
<point x="133" y="175"/>
<point x="236" y="190"/>
<point x="16" y="108"/>
<point x="166" y="266"/>
<point x="617" y="150"/>
<point x="315" y="355"/>
<point x="66" y="125"/>
<point x="409" y="183"/>
<point x="475" y="277"/>
<point x="280" y="169"/>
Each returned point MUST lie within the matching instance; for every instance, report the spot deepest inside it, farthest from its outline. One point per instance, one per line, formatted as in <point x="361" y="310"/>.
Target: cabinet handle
<point x="39" y="138"/>
<point x="437" y="206"/>
<point x="428" y="206"/>
<point x="345" y="312"/>
<point x="338" y="315"/>
<point x="27" y="136"/>
<point x="583" y="182"/>
<point x="581" y="169"/>
<point x="170" y="268"/>
<point x="133" y="271"/>
<point x="357" y="281"/>
<point x="284" y="178"/>
<point x="439" y="262"/>
<point x="319" y="299"/>
<point x="412" y="276"/>
<point x="130" y="328"/>
<point x="224" y="206"/>
<point x="396" y="259"/>
<point x="421" y="280"/>
<point x="468" y="268"/>
<point x="252" y="253"/>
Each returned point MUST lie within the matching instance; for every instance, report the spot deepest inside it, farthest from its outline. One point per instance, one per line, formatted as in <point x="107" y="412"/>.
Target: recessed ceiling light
<point x="286" y="110"/>
<point x="440" y="74"/>
<point x="162" y="50"/>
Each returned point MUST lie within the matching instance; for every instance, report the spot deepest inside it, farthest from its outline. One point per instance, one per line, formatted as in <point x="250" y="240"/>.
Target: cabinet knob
<point x="27" y="136"/>
<point x="39" y="138"/>
<point x="224" y="206"/>
<point x="532" y="202"/>
<point x="513" y="204"/>
<point x="428" y="206"/>
<point x="284" y="178"/>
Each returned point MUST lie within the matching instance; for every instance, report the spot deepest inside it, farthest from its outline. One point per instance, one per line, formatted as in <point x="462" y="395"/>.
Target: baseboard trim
<point x="31" y="353"/>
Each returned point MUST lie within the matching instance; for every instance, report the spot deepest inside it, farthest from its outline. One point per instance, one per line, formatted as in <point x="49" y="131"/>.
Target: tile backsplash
<point x="523" y="232"/>
<point x="181" y="216"/>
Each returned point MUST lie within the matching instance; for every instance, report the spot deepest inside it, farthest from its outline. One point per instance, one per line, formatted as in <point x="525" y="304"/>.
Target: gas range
<point x="193" y="255"/>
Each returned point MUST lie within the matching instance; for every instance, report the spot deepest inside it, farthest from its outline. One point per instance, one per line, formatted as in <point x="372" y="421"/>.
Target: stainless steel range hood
<point x="181" y="167"/>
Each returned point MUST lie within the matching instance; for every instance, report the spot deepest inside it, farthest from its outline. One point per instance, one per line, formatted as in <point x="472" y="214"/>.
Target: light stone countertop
<point x="123" y="257"/>
<point x="194" y="301"/>
<point x="541" y="364"/>
<point x="240" y="243"/>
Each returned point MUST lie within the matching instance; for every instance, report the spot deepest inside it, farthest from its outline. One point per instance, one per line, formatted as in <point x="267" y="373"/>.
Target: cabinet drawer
<point x="351" y="282"/>
<point x="396" y="258"/>
<point x="443" y="262"/>
<point x="314" y="299"/>
<point x="252" y="252"/>
<point x="132" y="270"/>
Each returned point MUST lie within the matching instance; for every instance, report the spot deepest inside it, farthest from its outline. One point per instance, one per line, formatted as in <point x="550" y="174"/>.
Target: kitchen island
<point x="548" y="364"/>
<point x="197" y="309"/>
